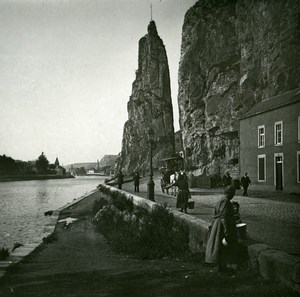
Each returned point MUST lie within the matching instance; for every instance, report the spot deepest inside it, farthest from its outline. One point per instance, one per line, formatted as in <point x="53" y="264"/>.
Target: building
<point x="59" y="169"/>
<point x="270" y="143"/>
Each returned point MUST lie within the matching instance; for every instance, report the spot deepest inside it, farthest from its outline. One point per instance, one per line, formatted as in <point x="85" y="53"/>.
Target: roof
<point x="275" y="102"/>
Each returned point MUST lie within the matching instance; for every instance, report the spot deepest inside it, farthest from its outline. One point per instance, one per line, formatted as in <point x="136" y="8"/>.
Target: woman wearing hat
<point x="223" y="233"/>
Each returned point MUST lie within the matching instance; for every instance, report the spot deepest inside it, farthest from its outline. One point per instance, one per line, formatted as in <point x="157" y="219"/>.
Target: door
<point x="278" y="172"/>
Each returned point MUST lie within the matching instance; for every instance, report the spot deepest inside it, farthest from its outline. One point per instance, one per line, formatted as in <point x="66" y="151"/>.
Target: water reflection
<point x="23" y="204"/>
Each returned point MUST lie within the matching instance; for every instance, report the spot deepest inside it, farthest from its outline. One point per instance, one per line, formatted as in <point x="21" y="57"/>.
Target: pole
<point x="150" y="192"/>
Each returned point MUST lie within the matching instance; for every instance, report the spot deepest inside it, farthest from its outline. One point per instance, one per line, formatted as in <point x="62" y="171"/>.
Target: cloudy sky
<point x="66" y="70"/>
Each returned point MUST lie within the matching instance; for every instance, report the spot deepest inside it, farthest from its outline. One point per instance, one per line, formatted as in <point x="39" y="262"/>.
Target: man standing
<point x="136" y="182"/>
<point x="227" y="179"/>
<point x="120" y="179"/>
<point x="245" y="181"/>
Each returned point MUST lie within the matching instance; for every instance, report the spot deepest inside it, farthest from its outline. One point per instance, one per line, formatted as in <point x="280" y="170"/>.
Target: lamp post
<point x="150" y="192"/>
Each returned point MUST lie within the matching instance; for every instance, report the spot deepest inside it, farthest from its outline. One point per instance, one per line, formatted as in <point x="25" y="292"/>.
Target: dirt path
<point x="81" y="263"/>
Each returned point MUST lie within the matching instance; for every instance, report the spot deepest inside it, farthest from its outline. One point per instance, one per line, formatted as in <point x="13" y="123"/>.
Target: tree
<point x="80" y="171"/>
<point x="7" y="165"/>
<point x="42" y="163"/>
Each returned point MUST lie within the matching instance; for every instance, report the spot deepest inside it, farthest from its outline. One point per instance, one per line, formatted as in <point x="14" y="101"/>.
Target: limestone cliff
<point x="149" y="106"/>
<point x="107" y="161"/>
<point x="234" y="53"/>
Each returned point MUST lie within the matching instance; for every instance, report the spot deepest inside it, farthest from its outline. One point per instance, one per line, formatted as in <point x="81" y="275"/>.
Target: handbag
<point x="191" y="203"/>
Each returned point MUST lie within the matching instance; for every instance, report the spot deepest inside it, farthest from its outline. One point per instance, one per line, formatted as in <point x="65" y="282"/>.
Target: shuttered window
<point x="261" y="168"/>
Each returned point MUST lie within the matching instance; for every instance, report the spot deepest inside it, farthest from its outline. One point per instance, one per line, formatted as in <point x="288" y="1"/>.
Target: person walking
<point x="223" y="233"/>
<point x="245" y="181"/>
<point x="136" y="182"/>
<point x="183" y="191"/>
<point x="120" y="179"/>
<point x="227" y="179"/>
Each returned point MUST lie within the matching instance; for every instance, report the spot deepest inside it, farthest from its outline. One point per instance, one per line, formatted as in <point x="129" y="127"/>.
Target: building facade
<point x="270" y="143"/>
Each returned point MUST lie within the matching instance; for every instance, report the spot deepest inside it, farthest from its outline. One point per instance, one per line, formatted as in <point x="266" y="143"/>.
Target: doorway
<point x="279" y="171"/>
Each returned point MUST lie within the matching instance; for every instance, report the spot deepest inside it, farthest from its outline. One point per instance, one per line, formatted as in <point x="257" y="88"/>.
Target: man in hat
<point x="245" y="181"/>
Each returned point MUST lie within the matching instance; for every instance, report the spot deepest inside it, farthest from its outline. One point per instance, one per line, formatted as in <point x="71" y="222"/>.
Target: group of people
<point x="136" y="181"/>
<point x="181" y="182"/>
<point x="245" y="182"/>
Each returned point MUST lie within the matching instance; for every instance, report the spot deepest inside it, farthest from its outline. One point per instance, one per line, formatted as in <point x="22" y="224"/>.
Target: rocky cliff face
<point x="108" y="161"/>
<point x="149" y="106"/>
<point x="234" y="54"/>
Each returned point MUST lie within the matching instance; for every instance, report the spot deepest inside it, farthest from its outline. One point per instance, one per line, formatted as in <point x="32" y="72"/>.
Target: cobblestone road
<point x="274" y="223"/>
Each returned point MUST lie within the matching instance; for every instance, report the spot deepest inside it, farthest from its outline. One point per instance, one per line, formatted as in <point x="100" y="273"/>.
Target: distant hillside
<point x="106" y="161"/>
<point x="86" y="166"/>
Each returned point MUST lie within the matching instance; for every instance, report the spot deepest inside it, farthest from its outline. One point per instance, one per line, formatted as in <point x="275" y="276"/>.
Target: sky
<point x="66" y="73"/>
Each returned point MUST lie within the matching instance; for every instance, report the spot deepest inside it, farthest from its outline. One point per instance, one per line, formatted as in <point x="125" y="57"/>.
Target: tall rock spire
<point x="149" y="106"/>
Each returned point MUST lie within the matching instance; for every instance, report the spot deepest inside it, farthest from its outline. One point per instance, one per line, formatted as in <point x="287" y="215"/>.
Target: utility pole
<point x="151" y="10"/>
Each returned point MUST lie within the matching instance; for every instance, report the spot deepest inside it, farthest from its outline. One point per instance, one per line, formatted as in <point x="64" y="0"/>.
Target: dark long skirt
<point x="182" y="199"/>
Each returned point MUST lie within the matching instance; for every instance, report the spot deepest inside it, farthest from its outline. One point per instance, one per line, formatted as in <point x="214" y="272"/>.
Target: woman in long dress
<point x="183" y="192"/>
<point x="223" y="233"/>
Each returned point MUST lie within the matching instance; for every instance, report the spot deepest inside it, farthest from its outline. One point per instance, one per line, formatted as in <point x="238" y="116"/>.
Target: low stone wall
<point x="271" y="264"/>
<point x="82" y="205"/>
<point x="198" y="229"/>
<point x="276" y="265"/>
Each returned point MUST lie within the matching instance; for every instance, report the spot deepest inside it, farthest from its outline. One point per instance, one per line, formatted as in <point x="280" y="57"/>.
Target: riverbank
<point x="80" y="262"/>
<point x="23" y="204"/>
<point x="9" y="178"/>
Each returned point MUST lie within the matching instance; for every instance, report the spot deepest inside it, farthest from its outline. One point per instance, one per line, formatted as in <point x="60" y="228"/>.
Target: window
<point x="298" y="167"/>
<point x="261" y="168"/>
<point x="299" y="129"/>
<point x="278" y="133"/>
<point x="261" y="136"/>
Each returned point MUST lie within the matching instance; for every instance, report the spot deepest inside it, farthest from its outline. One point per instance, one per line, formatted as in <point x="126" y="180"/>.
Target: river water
<point x="23" y="203"/>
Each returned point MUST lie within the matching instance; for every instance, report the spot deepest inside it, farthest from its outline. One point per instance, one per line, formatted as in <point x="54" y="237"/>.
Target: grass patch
<point x="145" y="234"/>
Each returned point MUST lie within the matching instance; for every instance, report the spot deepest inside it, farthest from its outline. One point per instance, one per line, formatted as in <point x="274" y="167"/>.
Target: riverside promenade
<point x="78" y="261"/>
<point x="273" y="221"/>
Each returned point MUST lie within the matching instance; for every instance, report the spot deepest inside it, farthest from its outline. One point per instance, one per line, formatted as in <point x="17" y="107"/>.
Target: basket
<point x="191" y="204"/>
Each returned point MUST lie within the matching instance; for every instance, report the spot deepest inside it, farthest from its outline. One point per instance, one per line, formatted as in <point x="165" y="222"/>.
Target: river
<point x="23" y="203"/>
